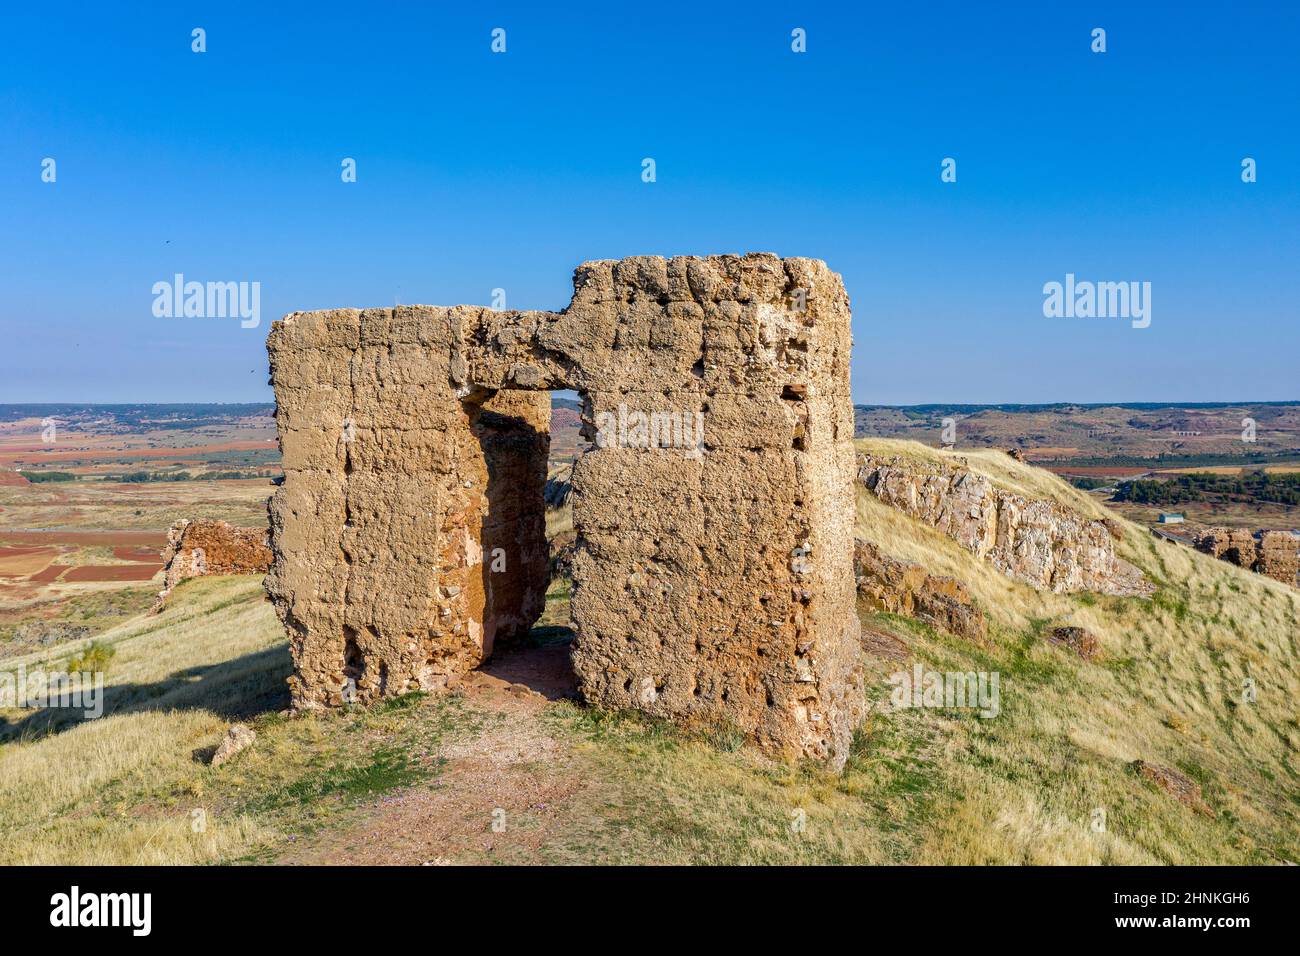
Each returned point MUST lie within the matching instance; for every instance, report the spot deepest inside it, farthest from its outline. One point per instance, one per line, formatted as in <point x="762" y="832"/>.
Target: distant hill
<point x="1166" y="688"/>
<point x="178" y="416"/>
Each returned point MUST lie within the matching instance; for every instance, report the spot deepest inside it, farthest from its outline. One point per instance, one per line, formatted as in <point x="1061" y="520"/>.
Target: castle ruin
<point x="713" y="575"/>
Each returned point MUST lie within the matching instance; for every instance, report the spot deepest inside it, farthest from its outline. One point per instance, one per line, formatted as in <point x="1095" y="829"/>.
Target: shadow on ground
<point x="542" y="663"/>
<point x="234" y="690"/>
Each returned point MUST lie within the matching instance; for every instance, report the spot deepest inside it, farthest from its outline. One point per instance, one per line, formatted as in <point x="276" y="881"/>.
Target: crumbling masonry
<point x="713" y="575"/>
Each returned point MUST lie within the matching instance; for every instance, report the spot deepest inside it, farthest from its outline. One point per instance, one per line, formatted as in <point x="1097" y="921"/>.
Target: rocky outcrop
<point x="237" y="739"/>
<point x="45" y="633"/>
<point x="713" y="565"/>
<point x="1275" y="554"/>
<point x="201" y="547"/>
<point x="887" y="584"/>
<point x="1036" y="541"/>
<point x="1078" y="639"/>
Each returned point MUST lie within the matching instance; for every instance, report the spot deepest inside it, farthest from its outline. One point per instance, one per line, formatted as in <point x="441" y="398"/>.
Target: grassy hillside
<point x="1168" y="688"/>
<point x="418" y="780"/>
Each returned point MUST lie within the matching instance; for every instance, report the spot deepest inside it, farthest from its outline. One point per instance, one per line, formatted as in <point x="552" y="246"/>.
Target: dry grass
<point x="71" y="796"/>
<point x="558" y="521"/>
<point x="134" y="787"/>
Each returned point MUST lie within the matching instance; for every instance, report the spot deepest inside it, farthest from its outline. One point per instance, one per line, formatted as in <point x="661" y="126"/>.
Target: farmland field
<point x="83" y="550"/>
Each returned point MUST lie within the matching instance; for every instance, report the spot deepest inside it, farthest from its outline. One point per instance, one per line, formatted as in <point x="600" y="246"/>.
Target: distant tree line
<point x="138" y="477"/>
<point x="1252" y="486"/>
<point x="1170" y="461"/>
<point x="40" y="477"/>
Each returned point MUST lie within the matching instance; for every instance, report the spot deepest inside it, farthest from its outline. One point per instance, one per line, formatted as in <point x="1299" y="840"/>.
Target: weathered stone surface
<point x="1234" y="545"/>
<point x="200" y="547"/>
<point x="1037" y="541"/>
<point x="1078" y="639"/>
<point x="1278" y="556"/>
<point x="412" y="543"/>
<point x="1275" y="554"/>
<point x="899" y="587"/>
<point x="1115" y="528"/>
<point x="238" y="738"/>
<point x="712" y="568"/>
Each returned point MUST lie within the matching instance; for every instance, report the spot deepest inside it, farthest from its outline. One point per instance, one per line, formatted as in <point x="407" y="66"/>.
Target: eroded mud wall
<point x="713" y="578"/>
<point x="409" y="531"/>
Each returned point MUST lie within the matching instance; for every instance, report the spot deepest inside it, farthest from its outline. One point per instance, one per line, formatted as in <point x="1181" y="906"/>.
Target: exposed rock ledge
<point x="900" y="587"/>
<point x="1040" y="542"/>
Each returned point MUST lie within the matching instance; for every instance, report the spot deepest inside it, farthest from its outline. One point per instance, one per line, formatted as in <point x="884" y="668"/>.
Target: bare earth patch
<point x="504" y="791"/>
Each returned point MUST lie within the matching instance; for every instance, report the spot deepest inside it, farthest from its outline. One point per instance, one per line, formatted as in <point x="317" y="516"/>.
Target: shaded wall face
<point x="713" y="575"/>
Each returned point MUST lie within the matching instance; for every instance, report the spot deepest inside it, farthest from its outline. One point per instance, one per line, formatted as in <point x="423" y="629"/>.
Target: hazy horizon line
<point x="856" y="404"/>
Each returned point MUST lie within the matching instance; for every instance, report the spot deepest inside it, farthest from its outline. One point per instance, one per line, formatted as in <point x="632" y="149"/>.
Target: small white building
<point x="1170" y="518"/>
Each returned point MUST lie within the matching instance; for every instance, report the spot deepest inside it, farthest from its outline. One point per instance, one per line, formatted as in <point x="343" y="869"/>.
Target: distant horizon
<point x="856" y="404"/>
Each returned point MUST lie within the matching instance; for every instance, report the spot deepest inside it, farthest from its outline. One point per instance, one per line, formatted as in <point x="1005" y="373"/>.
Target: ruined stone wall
<point x="402" y="492"/>
<point x="202" y="546"/>
<point x="713" y="574"/>
<point x="1276" y="554"/>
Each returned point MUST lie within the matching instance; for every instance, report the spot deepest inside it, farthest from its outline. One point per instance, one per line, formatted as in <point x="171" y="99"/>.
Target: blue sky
<point x="477" y="171"/>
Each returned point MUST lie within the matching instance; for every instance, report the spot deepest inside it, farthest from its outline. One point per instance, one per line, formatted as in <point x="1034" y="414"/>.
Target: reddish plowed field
<point x="21" y="562"/>
<point x="49" y="575"/>
<point x="23" y="550"/>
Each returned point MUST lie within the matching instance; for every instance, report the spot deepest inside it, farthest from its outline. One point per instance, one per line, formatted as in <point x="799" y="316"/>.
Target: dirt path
<point x="505" y="787"/>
